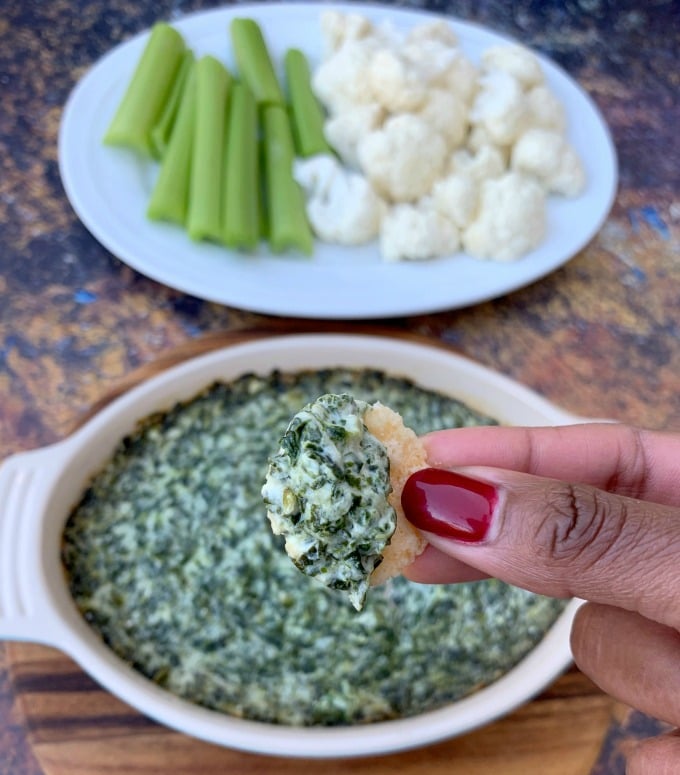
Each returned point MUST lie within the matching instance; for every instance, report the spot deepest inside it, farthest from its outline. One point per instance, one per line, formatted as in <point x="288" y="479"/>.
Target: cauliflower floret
<point x="344" y="130"/>
<point x="394" y="84"/>
<point x="416" y="232"/>
<point x="500" y="107"/>
<point x="337" y="28"/>
<point x="479" y="138"/>
<point x="436" y="150"/>
<point x="340" y="81"/>
<point x="403" y="158"/>
<point x="547" y="156"/>
<point x="545" y="110"/>
<point x="488" y="162"/>
<point x="516" y="60"/>
<point x="511" y="220"/>
<point x="437" y="29"/>
<point x="446" y="113"/>
<point x="456" y="197"/>
<point x="431" y="59"/>
<point x="459" y="76"/>
<point x="390" y="36"/>
<point x="570" y="178"/>
<point x="341" y="205"/>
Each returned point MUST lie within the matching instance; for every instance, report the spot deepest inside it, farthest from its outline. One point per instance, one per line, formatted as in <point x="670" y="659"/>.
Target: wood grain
<point x="76" y="728"/>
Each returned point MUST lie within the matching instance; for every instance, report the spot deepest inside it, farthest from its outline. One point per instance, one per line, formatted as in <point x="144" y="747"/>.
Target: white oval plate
<point x="109" y="189"/>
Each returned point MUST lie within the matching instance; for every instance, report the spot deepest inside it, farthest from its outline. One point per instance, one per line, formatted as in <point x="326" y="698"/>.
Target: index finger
<point x="612" y="457"/>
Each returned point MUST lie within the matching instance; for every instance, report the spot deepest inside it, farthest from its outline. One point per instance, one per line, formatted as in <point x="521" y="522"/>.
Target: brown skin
<point x="591" y="511"/>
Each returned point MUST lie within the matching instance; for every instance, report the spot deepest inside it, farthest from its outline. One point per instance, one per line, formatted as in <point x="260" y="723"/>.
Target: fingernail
<point x="448" y="504"/>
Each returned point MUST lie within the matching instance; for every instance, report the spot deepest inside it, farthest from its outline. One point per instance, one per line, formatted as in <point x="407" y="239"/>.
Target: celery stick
<point x="288" y="224"/>
<point x="147" y="91"/>
<point x="264" y="216"/>
<point x="254" y="63"/>
<point x="241" y="205"/>
<point x="207" y="167"/>
<point x="160" y="134"/>
<point x="306" y="112"/>
<point x="169" y="198"/>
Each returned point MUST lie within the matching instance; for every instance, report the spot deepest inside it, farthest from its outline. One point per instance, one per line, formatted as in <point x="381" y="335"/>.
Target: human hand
<point x="589" y="511"/>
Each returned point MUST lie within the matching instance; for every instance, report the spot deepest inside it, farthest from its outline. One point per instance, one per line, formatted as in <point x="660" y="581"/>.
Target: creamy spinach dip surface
<point x="171" y="559"/>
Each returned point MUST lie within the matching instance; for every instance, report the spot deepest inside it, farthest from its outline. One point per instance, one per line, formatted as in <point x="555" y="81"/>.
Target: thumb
<point x="552" y="537"/>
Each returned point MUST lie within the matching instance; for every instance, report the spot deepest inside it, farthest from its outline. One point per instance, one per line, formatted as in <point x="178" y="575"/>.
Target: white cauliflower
<point x="394" y="83"/>
<point x="479" y="138"/>
<point x="416" y="232"/>
<point x="461" y="77"/>
<point x="403" y="158"/>
<point x="344" y="130"/>
<point x="545" y="110"/>
<point x="547" y="156"/>
<point x="500" y="107"/>
<point x="487" y="163"/>
<point x="431" y="59"/>
<point x="337" y="28"/>
<point x="434" y="30"/>
<point x="436" y="150"/>
<point x="446" y="113"/>
<point x="340" y="81"/>
<point x="456" y="197"/>
<point x="342" y="207"/>
<point x="516" y="60"/>
<point x="511" y="220"/>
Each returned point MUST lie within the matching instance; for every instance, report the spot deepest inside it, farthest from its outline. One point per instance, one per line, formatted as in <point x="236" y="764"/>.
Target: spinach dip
<point x="326" y="493"/>
<point x="170" y="558"/>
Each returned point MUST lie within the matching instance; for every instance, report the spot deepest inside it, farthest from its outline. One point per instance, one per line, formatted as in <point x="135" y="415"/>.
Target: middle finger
<point x="630" y="657"/>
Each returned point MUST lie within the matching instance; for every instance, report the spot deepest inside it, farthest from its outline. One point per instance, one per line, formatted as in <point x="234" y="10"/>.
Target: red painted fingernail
<point x="448" y="504"/>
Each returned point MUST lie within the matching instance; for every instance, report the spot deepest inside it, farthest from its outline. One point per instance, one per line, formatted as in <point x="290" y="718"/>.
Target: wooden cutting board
<point x="76" y="728"/>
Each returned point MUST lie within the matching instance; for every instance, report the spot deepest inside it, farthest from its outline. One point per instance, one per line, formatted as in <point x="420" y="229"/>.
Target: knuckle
<point x="579" y="526"/>
<point x="632" y="465"/>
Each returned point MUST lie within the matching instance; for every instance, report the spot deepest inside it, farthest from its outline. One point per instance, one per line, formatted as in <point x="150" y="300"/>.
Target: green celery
<point x="306" y="112"/>
<point x="148" y="90"/>
<point x="162" y="130"/>
<point x="207" y="167"/>
<point x="170" y="196"/>
<point x="241" y="206"/>
<point x="287" y="218"/>
<point x="254" y="63"/>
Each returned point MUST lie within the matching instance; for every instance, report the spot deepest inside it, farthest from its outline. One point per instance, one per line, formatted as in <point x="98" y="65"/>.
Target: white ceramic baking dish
<point x="38" y="489"/>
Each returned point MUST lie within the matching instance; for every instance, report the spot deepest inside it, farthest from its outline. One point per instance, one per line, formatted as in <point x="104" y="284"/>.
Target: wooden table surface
<point x="600" y="337"/>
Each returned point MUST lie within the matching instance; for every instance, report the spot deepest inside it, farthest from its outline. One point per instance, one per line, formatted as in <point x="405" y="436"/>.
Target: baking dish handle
<point x="25" y="610"/>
